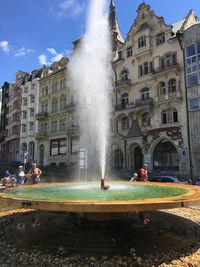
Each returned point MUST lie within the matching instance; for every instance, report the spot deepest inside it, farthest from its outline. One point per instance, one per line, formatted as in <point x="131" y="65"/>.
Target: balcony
<point x="42" y="115"/>
<point x="170" y="68"/>
<point x="135" y="106"/>
<point x="123" y="82"/>
<point x="42" y="134"/>
<point x="169" y="97"/>
<point x="143" y="102"/>
<point x="71" y="105"/>
<point x="72" y="127"/>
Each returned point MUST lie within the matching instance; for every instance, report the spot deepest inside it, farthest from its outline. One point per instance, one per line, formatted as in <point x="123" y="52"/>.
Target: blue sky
<point x="37" y="32"/>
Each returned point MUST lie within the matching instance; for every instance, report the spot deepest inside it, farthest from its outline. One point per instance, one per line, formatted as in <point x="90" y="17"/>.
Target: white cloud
<point x="52" y="51"/>
<point x="67" y="8"/>
<point x="57" y="57"/>
<point x="23" y="52"/>
<point x="5" y="46"/>
<point x="43" y="59"/>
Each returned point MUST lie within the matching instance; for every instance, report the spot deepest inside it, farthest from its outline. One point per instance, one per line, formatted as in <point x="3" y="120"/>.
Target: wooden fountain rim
<point x="192" y="197"/>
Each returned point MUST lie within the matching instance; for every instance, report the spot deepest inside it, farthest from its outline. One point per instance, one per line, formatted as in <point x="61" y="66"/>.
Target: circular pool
<point x="88" y="197"/>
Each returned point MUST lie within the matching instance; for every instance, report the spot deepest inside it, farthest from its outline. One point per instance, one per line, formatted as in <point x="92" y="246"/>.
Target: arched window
<point x="145" y="119"/>
<point x="144" y="93"/>
<point x="125" y="123"/>
<point x="172" y="86"/>
<point x="162" y="88"/>
<point x="124" y="75"/>
<point x="169" y="115"/>
<point x="165" y="156"/>
<point x="124" y="100"/>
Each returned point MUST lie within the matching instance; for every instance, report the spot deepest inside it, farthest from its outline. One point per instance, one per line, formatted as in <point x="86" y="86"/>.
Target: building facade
<point x="13" y="117"/>
<point x="4" y="121"/>
<point x="150" y="104"/>
<point x="58" y="131"/>
<point x="191" y="45"/>
<point x="29" y="108"/>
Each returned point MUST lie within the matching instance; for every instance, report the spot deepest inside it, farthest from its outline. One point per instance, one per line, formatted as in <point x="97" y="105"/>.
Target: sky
<point x="38" y="32"/>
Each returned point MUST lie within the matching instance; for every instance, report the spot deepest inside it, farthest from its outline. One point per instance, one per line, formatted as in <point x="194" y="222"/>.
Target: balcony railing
<point x="143" y="102"/>
<point x="134" y="105"/>
<point x="41" y="134"/>
<point x="71" y="105"/>
<point x="123" y="82"/>
<point x="42" y="115"/>
<point x="166" y="68"/>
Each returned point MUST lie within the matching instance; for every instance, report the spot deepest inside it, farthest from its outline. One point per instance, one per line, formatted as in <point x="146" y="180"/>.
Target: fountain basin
<point x="88" y="197"/>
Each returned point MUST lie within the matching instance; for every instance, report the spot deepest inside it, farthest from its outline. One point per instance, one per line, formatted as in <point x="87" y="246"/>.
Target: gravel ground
<point x="13" y="256"/>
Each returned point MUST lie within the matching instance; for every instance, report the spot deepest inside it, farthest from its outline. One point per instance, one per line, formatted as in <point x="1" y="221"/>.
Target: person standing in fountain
<point x="34" y="174"/>
<point x="143" y="173"/>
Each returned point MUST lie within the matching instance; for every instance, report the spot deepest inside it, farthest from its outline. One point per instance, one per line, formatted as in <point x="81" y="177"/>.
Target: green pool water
<point x="92" y="191"/>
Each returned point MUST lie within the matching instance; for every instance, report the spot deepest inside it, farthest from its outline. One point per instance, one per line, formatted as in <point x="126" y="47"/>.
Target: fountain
<point x="90" y="70"/>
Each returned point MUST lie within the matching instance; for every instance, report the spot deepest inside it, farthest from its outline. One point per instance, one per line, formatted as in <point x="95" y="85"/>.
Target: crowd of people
<point x="21" y="178"/>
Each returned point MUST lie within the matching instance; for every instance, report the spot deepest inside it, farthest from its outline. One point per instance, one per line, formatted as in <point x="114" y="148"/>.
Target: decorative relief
<point x="174" y="133"/>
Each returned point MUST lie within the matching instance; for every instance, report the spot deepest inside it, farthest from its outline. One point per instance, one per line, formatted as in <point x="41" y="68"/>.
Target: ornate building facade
<point x="150" y="103"/>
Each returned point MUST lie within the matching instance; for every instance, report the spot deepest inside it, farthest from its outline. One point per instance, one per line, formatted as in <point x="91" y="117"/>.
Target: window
<point x="24" y="114"/>
<point x="58" y="147"/>
<point x="74" y="145"/>
<point x="125" y="123"/>
<point x="144" y="94"/>
<point x="172" y="86"/>
<point x="168" y="60"/>
<point x="141" y="41"/>
<point x="129" y="52"/>
<point x="192" y="79"/>
<point x="162" y="88"/>
<point x="24" y="101"/>
<point x="31" y="126"/>
<point x="124" y="75"/>
<point x="160" y="39"/>
<point x="32" y="113"/>
<point x="124" y="100"/>
<point x="169" y="115"/>
<point x="25" y="90"/>
<point x="120" y="55"/>
<point x="54" y="126"/>
<point x="194" y="103"/>
<point x="32" y="98"/>
<point x="145" y="68"/>
<point x="145" y="119"/>
<point x="23" y="128"/>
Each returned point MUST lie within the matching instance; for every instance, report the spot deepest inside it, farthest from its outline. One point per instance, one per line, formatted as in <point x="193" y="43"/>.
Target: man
<point x="143" y="173"/>
<point x="34" y="174"/>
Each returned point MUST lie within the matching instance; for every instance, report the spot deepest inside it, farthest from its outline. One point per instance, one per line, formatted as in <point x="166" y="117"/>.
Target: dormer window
<point x="160" y="39"/>
<point x="141" y="41"/>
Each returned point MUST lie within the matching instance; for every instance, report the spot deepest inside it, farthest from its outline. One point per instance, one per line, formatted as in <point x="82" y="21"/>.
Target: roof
<point x="135" y="130"/>
<point x="178" y="25"/>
